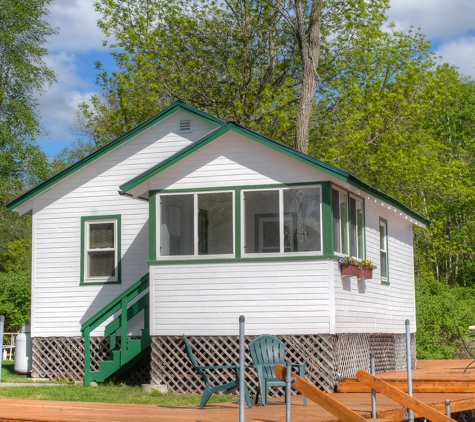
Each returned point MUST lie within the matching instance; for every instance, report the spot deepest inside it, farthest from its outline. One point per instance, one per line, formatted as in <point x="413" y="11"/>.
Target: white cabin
<point x="196" y="222"/>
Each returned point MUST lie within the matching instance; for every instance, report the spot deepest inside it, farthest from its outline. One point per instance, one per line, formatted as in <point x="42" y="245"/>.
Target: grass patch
<point x="103" y="393"/>
<point x="107" y="394"/>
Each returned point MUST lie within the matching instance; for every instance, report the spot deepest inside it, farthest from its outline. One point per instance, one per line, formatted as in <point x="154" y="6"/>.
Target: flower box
<point x="365" y="273"/>
<point x="349" y="270"/>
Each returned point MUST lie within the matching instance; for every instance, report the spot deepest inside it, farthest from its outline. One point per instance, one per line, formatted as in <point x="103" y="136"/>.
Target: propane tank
<point x="22" y="364"/>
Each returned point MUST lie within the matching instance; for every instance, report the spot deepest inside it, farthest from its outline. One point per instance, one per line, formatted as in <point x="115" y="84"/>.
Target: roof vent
<point x="184" y="125"/>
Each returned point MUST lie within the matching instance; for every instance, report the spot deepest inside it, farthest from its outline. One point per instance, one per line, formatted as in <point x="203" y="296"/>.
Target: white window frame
<point x="383" y="224"/>
<point x="359" y="254"/>
<point x="100" y="279"/>
<point x="196" y="254"/>
<point x="282" y="219"/>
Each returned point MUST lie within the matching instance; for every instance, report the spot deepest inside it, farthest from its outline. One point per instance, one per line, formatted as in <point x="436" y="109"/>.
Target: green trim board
<point x="176" y="106"/>
<point x="117" y="218"/>
<point x="152" y="227"/>
<point x="320" y="165"/>
<point x="280" y="257"/>
<point x="327" y="220"/>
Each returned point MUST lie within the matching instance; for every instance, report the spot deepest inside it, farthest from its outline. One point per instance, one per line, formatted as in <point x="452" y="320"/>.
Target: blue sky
<point x="450" y="25"/>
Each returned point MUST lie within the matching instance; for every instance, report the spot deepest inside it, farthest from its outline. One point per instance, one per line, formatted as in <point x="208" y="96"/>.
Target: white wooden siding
<point x="234" y="160"/>
<point x="60" y="304"/>
<point x="289" y="297"/>
<point x="371" y="306"/>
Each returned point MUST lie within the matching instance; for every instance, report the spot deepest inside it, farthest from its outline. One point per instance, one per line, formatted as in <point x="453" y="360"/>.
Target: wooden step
<point x="352" y="385"/>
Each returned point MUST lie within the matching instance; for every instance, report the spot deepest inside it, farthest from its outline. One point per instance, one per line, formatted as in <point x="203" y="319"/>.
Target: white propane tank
<point x="22" y="364"/>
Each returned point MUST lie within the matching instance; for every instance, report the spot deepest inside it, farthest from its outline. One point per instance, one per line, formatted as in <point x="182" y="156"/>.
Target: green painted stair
<point x="131" y="351"/>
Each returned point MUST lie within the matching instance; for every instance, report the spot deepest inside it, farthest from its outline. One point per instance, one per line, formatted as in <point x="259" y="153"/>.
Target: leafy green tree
<point x="15" y="299"/>
<point x="439" y="308"/>
<point x="23" y="73"/>
<point x="250" y="62"/>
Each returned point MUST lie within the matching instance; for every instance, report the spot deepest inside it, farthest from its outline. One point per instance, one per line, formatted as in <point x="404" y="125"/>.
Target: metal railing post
<point x="2" y="324"/>
<point x="289" y="379"/>
<point x="410" y="413"/>
<point x="447" y="408"/>
<point x="373" y="391"/>
<point x="242" y="387"/>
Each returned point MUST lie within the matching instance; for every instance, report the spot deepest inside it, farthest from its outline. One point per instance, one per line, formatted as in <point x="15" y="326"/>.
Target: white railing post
<point x="2" y="323"/>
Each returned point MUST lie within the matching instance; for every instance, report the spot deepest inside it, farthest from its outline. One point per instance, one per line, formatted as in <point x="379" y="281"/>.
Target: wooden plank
<point x="402" y="398"/>
<point x="322" y="399"/>
<point x="351" y="385"/>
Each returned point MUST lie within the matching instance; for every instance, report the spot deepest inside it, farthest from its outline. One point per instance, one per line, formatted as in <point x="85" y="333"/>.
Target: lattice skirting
<point x="328" y="358"/>
<point x="62" y="358"/>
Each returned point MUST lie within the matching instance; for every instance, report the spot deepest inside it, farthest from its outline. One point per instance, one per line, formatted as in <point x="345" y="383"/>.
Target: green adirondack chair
<point x="266" y="352"/>
<point x="209" y="390"/>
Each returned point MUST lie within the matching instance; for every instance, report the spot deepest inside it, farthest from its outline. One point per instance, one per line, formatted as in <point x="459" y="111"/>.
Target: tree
<point x="23" y="73"/>
<point x="237" y="62"/>
<point x="250" y="62"/>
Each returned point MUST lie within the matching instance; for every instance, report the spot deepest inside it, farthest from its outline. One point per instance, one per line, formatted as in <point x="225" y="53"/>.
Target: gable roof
<point x="176" y="106"/>
<point x="313" y="162"/>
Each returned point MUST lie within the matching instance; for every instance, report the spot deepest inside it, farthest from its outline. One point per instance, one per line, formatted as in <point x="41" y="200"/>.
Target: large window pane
<point x="383" y="246"/>
<point x="215" y="223"/>
<point x="261" y="222"/>
<point x="302" y="231"/>
<point x="177" y="225"/>
<point x="340" y="221"/>
<point x="356" y="227"/>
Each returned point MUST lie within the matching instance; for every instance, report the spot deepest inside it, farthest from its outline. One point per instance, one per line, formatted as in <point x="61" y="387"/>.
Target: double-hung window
<point x="282" y="221"/>
<point x="195" y="224"/>
<point x="100" y="249"/>
<point x="348" y="224"/>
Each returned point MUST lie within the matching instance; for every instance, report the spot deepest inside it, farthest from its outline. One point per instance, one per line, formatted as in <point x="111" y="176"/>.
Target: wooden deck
<point x="449" y="372"/>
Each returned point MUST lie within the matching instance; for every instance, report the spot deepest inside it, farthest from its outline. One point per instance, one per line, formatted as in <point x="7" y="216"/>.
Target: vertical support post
<point x="242" y="387"/>
<point x="410" y="412"/>
<point x="288" y="392"/>
<point x="87" y="356"/>
<point x="447" y="408"/>
<point x="123" y="331"/>
<point x="373" y="391"/>
<point x="2" y="325"/>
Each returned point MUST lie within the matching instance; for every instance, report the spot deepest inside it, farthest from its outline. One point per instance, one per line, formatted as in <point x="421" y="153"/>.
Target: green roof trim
<point x="176" y="106"/>
<point x="320" y="165"/>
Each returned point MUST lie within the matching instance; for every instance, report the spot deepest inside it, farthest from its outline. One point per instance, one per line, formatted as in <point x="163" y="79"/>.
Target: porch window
<point x="282" y="221"/>
<point x="383" y="248"/>
<point x="100" y="250"/>
<point x="348" y="224"/>
<point x="196" y="224"/>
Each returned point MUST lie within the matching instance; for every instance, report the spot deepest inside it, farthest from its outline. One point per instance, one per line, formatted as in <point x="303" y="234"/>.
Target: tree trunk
<point x="308" y="41"/>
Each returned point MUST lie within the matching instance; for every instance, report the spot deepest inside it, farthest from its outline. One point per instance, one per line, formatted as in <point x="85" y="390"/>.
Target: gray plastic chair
<point x="266" y="352"/>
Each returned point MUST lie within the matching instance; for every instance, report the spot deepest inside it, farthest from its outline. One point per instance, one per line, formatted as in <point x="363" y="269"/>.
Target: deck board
<point x="16" y="410"/>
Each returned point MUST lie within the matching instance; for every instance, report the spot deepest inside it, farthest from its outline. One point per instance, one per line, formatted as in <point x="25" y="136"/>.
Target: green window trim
<point x="86" y="224"/>
<point x="326" y="242"/>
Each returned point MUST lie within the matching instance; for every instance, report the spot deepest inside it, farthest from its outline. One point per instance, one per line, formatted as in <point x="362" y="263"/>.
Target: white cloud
<point x="59" y="102"/>
<point x="461" y="53"/>
<point x="438" y="19"/>
<point x="76" y="20"/>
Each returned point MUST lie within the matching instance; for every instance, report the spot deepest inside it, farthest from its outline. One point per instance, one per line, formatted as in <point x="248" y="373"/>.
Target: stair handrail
<point x="115" y="305"/>
<point x="120" y="303"/>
